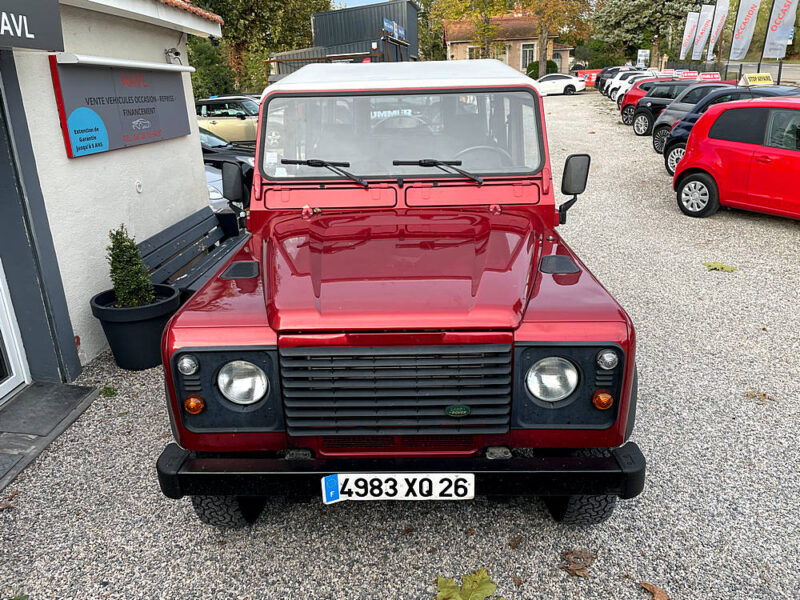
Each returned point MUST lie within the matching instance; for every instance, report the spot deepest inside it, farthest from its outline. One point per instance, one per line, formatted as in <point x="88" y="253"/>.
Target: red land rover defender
<point x="405" y="322"/>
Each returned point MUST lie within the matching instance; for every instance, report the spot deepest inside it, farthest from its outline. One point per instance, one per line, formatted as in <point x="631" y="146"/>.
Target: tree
<point x="212" y="74"/>
<point x="430" y="31"/>
<point x="638" y="23"/>
<point x="262" y="26"/>
<point x="479" y="13"/>
<point x="557" y="17"/>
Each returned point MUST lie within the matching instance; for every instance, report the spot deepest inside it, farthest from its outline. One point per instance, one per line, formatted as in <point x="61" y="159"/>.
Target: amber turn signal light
<point x="602" y="400"/>
<point x="194" y="405"/>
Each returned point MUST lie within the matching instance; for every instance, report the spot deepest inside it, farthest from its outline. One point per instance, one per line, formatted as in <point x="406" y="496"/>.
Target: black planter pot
<point x="134" y="334"/>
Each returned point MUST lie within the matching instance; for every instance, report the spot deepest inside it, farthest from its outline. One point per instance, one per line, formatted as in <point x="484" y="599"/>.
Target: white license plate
<point x="397" y="486"/>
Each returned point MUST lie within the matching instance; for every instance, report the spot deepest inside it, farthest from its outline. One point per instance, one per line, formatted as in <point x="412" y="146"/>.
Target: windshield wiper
<point x="444" y="165"/>
<point x="331" y="166"/>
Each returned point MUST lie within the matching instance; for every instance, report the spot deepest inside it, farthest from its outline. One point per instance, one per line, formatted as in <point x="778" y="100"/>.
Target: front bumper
<point x="181" y="473"/>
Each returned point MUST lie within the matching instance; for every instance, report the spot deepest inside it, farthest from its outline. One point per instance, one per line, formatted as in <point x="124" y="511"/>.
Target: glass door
<point x="13" y="366"/>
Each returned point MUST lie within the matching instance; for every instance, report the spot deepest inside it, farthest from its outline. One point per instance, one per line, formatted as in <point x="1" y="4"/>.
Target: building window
<point x="528" y="53"/>
<point x="473" y="52"/>
<point x="557" y="59"/>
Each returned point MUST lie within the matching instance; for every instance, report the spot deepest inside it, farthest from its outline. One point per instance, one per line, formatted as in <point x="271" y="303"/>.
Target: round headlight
<point x="552" y="379"/>
<point x="607" y="359"/>
<point x="242" y="382"/>
<point x="188" y="365"/>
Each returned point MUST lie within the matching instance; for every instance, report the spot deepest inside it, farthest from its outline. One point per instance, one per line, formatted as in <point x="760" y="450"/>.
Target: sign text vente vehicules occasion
<point x="107" y="108"/>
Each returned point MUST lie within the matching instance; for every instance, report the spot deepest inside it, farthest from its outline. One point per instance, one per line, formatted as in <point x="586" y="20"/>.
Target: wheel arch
<point x="692" y="171"/>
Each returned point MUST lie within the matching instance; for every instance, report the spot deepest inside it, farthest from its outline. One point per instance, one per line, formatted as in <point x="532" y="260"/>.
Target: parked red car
<point x="639" y="90"/>
<point x="405" y="322"/>
<point x="744" y="155"/>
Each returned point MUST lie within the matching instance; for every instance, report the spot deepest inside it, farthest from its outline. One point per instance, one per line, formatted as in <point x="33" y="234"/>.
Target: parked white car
<point x="619" y="93"/>
<point x="558" y="83"/>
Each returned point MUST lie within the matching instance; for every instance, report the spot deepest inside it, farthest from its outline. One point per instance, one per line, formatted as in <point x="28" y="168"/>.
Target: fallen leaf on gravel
<point x="475" y="586"/>
<point x="12" y="495"/>
<point x="407" y="531"/>
<point x="718" y="266"/>
<point x="592" y="132"/>
<point x="763" y="329"/>
<point x="6" y="506"/>
<point x="515" y="542"/>
<point x="431" y="550"/>
<point x="658" y="593"/>
<point x="760" y="398"/>
<point x="123" y="413"/>
<point x="222" y="542"/>
<point x="470" y="531"/>
<point x="517" y="580"/>
<point x="578" y="562"/>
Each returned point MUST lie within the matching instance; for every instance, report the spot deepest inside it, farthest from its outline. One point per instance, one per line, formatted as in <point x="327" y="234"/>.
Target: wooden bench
<point x="187" y="254"/>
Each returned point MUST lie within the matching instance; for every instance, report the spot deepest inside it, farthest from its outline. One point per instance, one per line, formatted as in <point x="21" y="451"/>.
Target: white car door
<point x="550" y="85"/>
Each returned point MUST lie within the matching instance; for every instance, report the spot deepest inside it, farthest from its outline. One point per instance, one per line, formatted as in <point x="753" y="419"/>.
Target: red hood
<point x="382" y="270"/>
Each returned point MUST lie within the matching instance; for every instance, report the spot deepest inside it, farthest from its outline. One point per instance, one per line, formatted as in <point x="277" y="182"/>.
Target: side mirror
<point x="573" y="182"/>
<point x="242" y="116"/>
<point x="232" y="182"/>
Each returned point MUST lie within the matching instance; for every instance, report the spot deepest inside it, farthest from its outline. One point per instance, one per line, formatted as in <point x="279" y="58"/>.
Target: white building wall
<point x="87" y="196"/>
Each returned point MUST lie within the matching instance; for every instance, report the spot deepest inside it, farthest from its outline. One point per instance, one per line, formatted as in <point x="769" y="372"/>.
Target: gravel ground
<point x="718" y="517"/>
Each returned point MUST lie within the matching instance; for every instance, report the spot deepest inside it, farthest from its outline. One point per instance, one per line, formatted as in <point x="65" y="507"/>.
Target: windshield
<point x="212" y="141"/>
<point x="250" y="107"/>
<point x="490" y="133"/>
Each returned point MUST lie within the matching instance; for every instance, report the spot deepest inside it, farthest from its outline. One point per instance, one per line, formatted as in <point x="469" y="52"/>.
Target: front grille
<point x="374" y="442"/>
<point x="401" y="390"/>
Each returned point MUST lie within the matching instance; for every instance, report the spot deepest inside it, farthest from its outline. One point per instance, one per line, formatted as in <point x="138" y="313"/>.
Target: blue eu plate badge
<point x="330" y="489"/>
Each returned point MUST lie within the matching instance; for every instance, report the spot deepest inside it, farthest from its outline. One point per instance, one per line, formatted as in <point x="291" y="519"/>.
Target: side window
<point x="695" y="95"/>
<point x="745" y="125"/>
<point x="199" y="109"/>
<point x="784" y="129"/>
<point x="662" y="91"/>
<point x="215" y="110"/>
<point x="725" y="98"/>
<point x="646" y="87"/>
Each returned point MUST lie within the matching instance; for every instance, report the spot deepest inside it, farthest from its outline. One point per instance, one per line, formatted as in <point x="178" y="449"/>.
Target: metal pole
<point x="741" y="66"/>
<point x="780" y="70"/>
<point x="764" y="45"/>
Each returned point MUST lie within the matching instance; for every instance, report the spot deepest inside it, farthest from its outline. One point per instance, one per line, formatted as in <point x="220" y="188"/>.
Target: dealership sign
<point x="688" y="75"/>
<point x="107" y="108"/>
<point x="710" y="77"/>
<point x="688" y="32"/>
<point x="30" y="24"/>
<point x="720" y="16"/>
<point x="743" y="29"/>
<point x="703" y="30"/>
<point x="780" y="27"/>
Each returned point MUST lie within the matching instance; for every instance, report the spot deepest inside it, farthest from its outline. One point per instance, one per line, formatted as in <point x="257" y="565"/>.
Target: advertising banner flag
<point x="780" y="27"/>
<point x="703" y="30"/>
<point x="723" y="7"/>
<point x="744" y="28"/>
<point x="688" y="33"/>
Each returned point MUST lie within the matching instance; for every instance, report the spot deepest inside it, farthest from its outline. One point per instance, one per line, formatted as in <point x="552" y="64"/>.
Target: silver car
<point x="679" y="108"/>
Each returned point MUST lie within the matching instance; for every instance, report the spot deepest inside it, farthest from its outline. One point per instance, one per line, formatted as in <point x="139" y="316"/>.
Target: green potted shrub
<point x="135" y="311"/>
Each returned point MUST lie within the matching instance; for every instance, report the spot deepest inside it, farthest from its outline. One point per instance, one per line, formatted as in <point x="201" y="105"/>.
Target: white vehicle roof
<point x="412" y="75"/>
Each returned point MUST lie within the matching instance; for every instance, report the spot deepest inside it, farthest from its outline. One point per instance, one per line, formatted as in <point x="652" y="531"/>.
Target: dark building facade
<point x="384" y="32"/>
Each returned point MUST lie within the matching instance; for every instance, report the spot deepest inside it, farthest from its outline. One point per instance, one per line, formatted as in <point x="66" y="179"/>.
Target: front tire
<point x="698" y="196"/>
<point x="642" y="124"/>
<point x="627" y="114"/>
<point x="583" y="510"/>
<point x="227" y="512"/>
<point x="672" y="156"/>
<point x="660" y="136"/>
<point x="569" y="90"/>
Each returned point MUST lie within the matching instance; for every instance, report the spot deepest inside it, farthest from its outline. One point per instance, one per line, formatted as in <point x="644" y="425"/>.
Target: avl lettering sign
<point x="107" y="108"/>
<point x="30" y="24"/>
